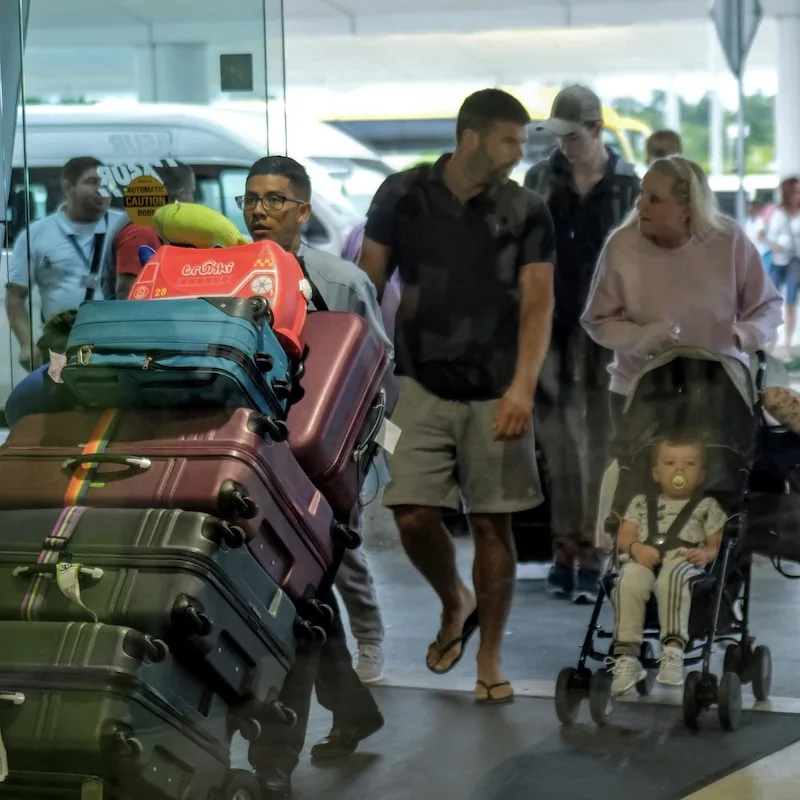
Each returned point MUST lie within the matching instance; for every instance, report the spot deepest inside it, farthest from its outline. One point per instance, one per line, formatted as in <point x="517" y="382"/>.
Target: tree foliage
<point x="695" y="128"/>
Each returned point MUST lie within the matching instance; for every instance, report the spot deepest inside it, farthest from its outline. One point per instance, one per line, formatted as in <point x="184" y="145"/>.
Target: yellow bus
<point x="637" y="134"/>
<point x="407" y="124"/>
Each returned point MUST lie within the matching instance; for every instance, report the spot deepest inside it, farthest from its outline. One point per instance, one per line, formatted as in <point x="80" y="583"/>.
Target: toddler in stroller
<point x="685" y="450"/>
<point x="666" y="540"/>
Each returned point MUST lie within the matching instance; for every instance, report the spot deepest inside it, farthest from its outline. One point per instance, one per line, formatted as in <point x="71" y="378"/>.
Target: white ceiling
<point x="87" y="46"/>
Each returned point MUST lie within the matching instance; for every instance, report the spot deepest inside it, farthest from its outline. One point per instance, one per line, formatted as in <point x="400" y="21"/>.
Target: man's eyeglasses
<point x="272" y="201"/>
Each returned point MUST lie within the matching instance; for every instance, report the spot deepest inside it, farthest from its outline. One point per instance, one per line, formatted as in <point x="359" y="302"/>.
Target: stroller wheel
<point x="733" y="660"/>
<point x="568" y="698"/>
<point x="646" y="684"/>
<point x="761" y="672"/>
<point x="692" y="705"/>
<point x="601" y="702"/>
<point x="730" y="701"/>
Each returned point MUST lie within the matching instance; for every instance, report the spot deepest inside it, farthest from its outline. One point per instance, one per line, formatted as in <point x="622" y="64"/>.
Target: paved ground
<point x="543" y="634"/>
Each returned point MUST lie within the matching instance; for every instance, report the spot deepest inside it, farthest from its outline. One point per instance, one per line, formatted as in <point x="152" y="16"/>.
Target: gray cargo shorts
<point x="447" y="452"/>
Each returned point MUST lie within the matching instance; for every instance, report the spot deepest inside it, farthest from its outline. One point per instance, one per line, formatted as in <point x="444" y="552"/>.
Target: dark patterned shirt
<point x="458" y="323"/>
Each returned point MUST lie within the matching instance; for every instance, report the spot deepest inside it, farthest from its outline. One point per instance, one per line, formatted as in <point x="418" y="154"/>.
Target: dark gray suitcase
<point x="179" y="576"/>
<point x="107" y="710"/>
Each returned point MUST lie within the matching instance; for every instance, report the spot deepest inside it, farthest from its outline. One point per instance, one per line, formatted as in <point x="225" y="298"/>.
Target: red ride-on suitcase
<point x="259" y="269"/>
<point x="348" y="389"/>
<point x="212" y="461"/>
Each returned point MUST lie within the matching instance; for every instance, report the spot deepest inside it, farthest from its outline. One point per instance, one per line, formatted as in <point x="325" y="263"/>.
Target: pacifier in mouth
<point x="679" y="482"/>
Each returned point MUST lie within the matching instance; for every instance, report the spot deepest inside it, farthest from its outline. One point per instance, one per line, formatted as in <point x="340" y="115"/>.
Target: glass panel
<point x="16" y="200"/>
<point x="127" y="125"/>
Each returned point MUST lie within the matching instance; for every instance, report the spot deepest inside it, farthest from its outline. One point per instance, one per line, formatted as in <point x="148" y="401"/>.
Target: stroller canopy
<point x="689" y="388"/>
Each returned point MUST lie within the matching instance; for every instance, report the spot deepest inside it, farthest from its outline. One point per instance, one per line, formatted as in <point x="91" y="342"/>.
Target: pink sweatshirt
<point x="715" y="290"/>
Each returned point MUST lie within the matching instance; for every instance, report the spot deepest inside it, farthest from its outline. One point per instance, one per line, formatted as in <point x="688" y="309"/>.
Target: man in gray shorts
<point x="475" y="254"/>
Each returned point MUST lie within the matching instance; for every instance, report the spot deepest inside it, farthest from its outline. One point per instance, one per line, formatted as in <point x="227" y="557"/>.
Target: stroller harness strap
<point x="671" y="539"/>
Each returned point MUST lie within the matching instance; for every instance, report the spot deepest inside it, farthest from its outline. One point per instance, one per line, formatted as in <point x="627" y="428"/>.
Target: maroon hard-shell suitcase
<point x="212" y="461"/>
<point x="348" y="390"/>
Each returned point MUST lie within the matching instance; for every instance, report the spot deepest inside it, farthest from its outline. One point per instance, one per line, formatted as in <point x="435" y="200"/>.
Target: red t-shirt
<point x="127" y="245"/>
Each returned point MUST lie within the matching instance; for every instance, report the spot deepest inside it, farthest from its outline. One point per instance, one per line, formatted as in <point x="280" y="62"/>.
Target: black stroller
<point x="690" y="388"/>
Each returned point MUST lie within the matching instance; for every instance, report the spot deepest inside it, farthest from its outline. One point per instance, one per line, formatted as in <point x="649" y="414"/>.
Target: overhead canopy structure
<point x="86" y="46"/>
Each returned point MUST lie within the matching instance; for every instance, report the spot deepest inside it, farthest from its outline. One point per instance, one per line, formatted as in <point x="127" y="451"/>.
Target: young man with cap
<point x="589" y="191"/>
<point x="474" y="251"/>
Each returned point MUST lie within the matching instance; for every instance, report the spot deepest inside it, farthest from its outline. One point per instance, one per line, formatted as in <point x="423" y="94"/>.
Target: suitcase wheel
<point x="189" y="619"/>
<point x="282" y="389"/>
<point x="266" y="426"/>
<point x="348" y="536"/>
<point x="232" y="535"/>
<point x="250" y="729"/>
<point x="156" y="651"/>
<point x="242" y="785"/>
<point x="312" y="633"/>
<point x="264" y="361"/>
<point x="323" y="610"/>
<point x="233" y="499"/>
<point x="286" y="716"/>
<point x="299" y="372"/>
<point x="261" y="309"/>
<point x="145" y="648"/>
<point x="124" y="745"/>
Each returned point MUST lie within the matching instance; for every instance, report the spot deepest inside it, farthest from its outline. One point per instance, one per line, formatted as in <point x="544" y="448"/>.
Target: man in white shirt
<point x="61" y="254"/>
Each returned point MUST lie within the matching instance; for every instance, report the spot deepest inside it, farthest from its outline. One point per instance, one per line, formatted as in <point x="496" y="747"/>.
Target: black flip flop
<point x="490" y="699"/>
<point x="467" y="630"/>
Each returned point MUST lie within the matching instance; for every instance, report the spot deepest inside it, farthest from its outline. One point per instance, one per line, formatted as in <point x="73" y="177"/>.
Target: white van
<point x="219" y="144"/>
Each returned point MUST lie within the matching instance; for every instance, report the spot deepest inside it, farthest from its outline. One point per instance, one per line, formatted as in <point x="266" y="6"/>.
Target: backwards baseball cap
<point x="574" y="106"/>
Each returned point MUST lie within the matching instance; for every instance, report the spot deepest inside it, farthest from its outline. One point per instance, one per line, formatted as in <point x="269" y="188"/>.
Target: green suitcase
<point x="96" y="711"/>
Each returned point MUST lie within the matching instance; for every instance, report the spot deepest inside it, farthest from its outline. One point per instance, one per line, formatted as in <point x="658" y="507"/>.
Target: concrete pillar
<point x="787" y="102"/>
<point x="173" y="73"/>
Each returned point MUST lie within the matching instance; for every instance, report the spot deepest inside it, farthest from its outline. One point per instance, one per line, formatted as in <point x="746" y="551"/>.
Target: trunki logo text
<point x="207" y="268"/>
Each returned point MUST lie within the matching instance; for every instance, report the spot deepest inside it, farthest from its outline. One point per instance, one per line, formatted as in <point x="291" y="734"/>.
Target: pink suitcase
<point x="213" y="461"/>
<point x="348" y="390"/>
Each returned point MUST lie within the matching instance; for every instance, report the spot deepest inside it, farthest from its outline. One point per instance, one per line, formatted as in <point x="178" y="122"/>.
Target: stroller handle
<point x="761" y="372"/>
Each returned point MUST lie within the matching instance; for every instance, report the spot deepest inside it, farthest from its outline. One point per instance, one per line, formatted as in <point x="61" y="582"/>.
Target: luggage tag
<point x="68" y="577"/>
<point x="17" y="699"/>
<point x="387" y="437"/>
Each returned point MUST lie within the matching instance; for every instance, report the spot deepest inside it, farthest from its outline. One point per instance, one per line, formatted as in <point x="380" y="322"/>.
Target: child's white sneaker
<point x="670" y="672"/>
<point x="627" y="672"/>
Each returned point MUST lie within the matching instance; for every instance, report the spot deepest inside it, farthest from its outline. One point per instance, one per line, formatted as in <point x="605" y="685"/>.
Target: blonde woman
<point x="678" y="271"/>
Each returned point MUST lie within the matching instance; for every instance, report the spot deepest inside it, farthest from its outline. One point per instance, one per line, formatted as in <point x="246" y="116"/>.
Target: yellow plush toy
<point x="197" y="226"/>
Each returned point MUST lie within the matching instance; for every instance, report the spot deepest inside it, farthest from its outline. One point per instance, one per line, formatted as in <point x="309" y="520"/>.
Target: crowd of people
<point x="514" y="312"/>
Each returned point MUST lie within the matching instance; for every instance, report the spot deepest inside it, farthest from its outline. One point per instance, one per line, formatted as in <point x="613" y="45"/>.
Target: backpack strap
<point x="316" y="297"/>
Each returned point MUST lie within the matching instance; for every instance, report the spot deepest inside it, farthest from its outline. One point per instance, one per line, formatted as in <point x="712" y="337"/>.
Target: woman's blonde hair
<point x="690" y="187"/>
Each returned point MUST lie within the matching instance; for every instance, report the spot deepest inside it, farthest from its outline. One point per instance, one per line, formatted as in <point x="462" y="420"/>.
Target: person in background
<point x="42" y="391"/>
<point x="678" y="272"/>
<point x="661" y="144"/>
<point x="181" y="186"/>
<point x="61" y="255"/>
<point x="475" y="256"/>
<point x="589" y="191"/>
<point x="276" y="203"/>
<point x="756" y="231"/>
<point x="783" y="238"/>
